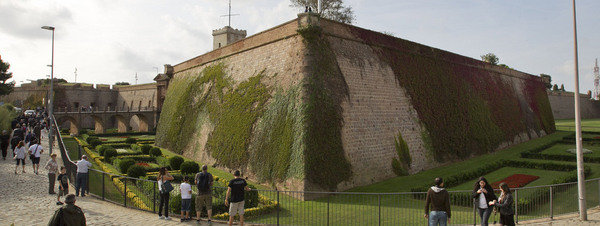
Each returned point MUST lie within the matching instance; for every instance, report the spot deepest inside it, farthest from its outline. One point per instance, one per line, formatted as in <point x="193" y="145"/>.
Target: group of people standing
<point x="484" y="199"/>
<point x="234" y="198"/>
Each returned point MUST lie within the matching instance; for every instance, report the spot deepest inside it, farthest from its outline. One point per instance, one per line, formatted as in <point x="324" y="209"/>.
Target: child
<point x="186" y="199"/>
<point x="63" y="184"/>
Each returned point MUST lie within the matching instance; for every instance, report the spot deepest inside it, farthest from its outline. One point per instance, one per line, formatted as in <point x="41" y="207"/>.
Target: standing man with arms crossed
<point x="235" y="190"/>
<point x="204" y="182"/>
<point x="82" y="175"/>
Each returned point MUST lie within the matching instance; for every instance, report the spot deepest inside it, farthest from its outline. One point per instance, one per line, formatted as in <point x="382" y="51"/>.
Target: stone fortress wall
<point x="375" y="106"/>
<point x="563" y="105"/>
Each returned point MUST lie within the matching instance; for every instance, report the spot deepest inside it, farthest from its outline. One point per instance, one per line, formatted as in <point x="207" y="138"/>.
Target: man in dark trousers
<point x="235" y="190"/>
<point x="69" y="214"/>
<point x="4" y="142"/>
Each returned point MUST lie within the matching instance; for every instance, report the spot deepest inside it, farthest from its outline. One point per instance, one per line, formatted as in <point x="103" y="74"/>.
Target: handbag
<point x="166" y="187"/>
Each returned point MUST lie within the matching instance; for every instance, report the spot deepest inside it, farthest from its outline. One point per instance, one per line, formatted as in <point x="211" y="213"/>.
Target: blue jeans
<point x="485" y="215"/>
<point x="81" y="183"/>
<point x="438" y="218"/>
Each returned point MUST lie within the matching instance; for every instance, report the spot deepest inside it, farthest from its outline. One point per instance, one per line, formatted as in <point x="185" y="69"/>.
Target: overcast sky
<point x="110" y="41"/>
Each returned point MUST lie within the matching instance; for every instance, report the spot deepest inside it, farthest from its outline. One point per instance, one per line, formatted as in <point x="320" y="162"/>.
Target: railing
<point x="343" y="208"/>
<point x="60" y="110"/>
<point x="347" y="208"/>
<point x="69" y="165"/>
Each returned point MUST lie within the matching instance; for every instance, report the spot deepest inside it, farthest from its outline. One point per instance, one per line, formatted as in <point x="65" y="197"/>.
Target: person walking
<point x="19" y="155"/>
<point x="69" y="214"/>
<point x="4" y="142"/>
<point x="37" y="130"/>
<point x="52" y="167"/>
<point x="14" y="141"/>
<point x="186" y="199"/>
<point x="164" y="187"/>
<point x="63" y="184"/>
<point x="83" y="167"/>
<point x="235" y="190"/>
<point x="439" y="200"/>
<point x="35" y="152"/>
<point x="505" y="205"/>
<point x="482" y="195"/>
<point x="204" y="182"/>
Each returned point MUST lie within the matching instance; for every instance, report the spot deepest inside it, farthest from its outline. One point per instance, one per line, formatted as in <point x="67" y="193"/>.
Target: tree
<point x="562" y="87"/>
<point x="332" y="9"/>
<point x="547" y="79"/>
<point x="555" y="88"/>
<point x="5" y="88"/>
<point x="490" y="58"/>
<point x="46" y="81"/>
<point x="122" y="84"/>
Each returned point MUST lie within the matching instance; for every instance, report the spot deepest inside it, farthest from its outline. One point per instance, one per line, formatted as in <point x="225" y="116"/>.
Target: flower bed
<point x="516" y="181"/>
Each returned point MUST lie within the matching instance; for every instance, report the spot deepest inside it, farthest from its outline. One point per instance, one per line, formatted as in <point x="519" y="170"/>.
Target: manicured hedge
<point x="136" y="171"/>
<point x="175" y="162"/>
<point x="125" y="164"/>
<point x="189" y="167"/>
<point x="124" y="134"/>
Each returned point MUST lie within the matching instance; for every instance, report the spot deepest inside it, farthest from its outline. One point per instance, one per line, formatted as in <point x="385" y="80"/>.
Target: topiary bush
<point x="94" y="143"/>
<point x="155" y="151"/>
<point x="189" y="167"/>
<point x="175" y="162"/>
<point x="136" y="171"/>
<point x="130" y="140"/>
<point x="146" y="149"/>
<point x="90" y="138"/>
<point x="125" y="164"/>
<point x="102" y="148"/>
<point x="108" y="154"/>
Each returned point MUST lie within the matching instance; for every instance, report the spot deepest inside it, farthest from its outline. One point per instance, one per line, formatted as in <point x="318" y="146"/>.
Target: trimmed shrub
<point x="189" y="167"/>
<point x="146" y="149"/>
<point x="136" y="171"/>
<point x="102" y="148"/>
<point x="83" y="131"/>
<point x="130" y="140"/>
<point x="108" y="154"/>
<point x="155" y="151"/>
<point x="64" y="131"/>
<point x="90" y="138"/>
<point x="94" y="143"/>
<point x="125" y="164"/>
<point x="175" y="203"/>
<point x="175" y="162"/>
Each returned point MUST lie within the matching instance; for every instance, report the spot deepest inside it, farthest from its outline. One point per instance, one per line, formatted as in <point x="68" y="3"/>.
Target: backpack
<point x="204" y="182"/>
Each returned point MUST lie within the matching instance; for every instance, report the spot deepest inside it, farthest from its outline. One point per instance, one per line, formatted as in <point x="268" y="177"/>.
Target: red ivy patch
<point x="142" y="164"/>
<point x="516" y="180"/>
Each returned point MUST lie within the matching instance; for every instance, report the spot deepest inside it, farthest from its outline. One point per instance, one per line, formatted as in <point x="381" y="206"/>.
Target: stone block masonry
<point x="382" y="88"/>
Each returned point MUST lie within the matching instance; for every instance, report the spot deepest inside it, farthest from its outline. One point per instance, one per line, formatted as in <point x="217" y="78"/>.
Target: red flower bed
<point x="142" y="164"/>
<point x="516" y="180"/>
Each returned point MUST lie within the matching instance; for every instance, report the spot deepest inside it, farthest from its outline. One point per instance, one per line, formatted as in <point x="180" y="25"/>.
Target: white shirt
<point x="186" y="191"/>
<point x="482" y="201"/>
<point x="83" y="166"/>
<point x="20" y="152"/>
<point x="36" y="150"/>
<point x="160" y="182"/>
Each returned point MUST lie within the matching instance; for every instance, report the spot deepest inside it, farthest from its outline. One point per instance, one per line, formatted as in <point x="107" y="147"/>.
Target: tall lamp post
<point x="51" y="93"/>
<point x="580" y="169"/>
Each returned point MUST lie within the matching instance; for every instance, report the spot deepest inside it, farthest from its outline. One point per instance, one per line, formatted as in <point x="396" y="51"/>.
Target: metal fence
<point x="343" y="208"/>
<point x="347" y="208"/>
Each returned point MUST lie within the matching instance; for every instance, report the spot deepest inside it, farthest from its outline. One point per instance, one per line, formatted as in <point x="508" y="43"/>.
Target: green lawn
<point x="592" y="125"/>
<point x="405" y="183"/>
<point x="561" y="149"/>
<point x="546" y="176"/>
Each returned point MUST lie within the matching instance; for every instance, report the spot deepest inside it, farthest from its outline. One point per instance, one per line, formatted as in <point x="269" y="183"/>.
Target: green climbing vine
<point x="325" y="87"/>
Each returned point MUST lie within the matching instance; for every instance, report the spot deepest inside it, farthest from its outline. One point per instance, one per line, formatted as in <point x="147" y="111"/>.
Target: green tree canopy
<point x="5" y="88"/>
<point x="555" y="87"/>
<point x="490" y="58"/>
<point x="332" y="9"/>
<point x="547" y="80"/>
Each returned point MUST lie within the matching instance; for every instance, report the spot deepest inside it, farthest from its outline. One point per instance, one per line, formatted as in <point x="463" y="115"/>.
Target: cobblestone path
<point x="24" y="200"/>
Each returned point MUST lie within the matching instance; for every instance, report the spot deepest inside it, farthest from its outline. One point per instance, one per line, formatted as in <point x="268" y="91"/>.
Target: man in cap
<point x="69" y="214"/>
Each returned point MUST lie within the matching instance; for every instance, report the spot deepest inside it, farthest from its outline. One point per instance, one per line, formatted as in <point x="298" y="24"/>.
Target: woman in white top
<point x="20" y="153"/>
<point x="163" y="176"/>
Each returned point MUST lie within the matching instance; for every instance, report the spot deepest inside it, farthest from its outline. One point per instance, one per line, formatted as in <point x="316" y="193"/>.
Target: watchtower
<point x="226" y="36"/>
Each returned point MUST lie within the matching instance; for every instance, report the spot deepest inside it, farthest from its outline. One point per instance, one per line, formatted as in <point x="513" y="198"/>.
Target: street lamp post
<point x="578" y="144"/>
<point x="51" y="94"/>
